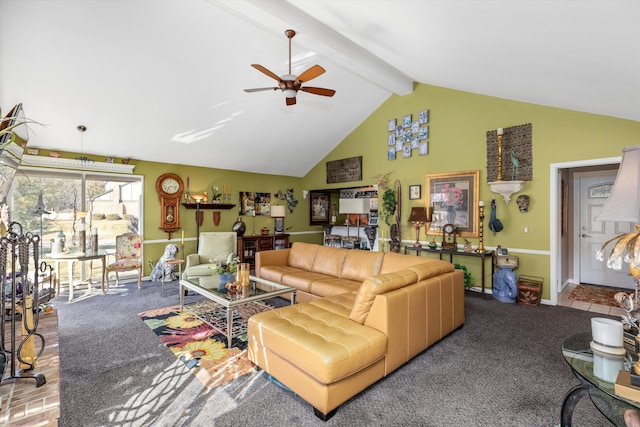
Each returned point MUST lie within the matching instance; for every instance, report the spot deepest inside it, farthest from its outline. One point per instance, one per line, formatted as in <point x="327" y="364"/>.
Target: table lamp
<point x="623" y="205"/>
<point x="278" y="213"/>
<point x="354" y="206"/>
<point x="418" y="218"/>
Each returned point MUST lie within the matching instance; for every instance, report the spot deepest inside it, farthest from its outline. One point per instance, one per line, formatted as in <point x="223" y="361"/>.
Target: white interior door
<point x="594" y="189"/>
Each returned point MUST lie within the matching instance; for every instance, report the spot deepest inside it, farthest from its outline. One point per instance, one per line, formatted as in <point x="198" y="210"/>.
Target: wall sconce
<point x="305" y="194"/>
<point x="418" y="218"/>
<point x="278" y="213"/>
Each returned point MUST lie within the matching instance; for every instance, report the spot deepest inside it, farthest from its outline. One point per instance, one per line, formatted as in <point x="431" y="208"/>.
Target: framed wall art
<point x="319" y="207"/>
<point x="415" y="192"/>
<point x="453" y="197"/>
<point x="254" y="204"/>
<point x="344" y="170"/>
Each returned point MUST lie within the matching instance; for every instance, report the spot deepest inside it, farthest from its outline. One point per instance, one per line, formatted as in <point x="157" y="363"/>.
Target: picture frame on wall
<point x="415" y="192"/>
<point x="453" y="197"/>
<point x="391" y="125"/>
<point x="319" y="207"/>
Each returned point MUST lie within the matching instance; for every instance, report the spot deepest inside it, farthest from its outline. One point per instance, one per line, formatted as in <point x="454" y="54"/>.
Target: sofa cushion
<point x="328" y="286"/>
<point x="338" y="304"/>
<point x="327" y="347"/>
<point x="329" y="261"/>
<point x="302" y="255"/>
<point x="393" y="262"/>
<point x="301" y="280"/>
<point x="276" y="272"/>
<point x="200" y="270"/>
<point x="359" y="265"/>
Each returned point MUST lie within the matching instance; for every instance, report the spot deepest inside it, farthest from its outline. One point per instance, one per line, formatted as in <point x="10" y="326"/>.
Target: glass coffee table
<point x="226" y="312"/>
<point x="578" y="353"/>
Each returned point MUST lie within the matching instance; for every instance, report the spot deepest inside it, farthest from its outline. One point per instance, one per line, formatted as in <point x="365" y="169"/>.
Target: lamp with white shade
<point x="278" y="212"/>
<point x="623" y="205"/>
<point x="354" y="206"/>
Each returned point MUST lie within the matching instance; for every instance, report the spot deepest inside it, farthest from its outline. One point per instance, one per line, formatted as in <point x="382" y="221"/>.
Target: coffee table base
<point x="229" y="321"/>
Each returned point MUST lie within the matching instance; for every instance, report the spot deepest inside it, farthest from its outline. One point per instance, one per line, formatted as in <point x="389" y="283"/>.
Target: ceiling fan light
<point x="290" y="93"/>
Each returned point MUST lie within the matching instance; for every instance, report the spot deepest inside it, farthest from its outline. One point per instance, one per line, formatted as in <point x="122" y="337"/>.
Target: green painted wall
<point x="457" y="142"/>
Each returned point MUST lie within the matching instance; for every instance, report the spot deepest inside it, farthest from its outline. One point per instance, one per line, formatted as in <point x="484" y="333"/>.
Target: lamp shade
<point x="354" y="206"/>
<point x="418" y="214"/>
<point x="278" y="211"/>
<point x="624" y="202"/>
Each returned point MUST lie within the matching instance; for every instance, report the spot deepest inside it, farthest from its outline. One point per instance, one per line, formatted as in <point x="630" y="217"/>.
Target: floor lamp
<point x="41" y="209"/>
<point x="354" y="206"/>
<point x="623" y="205"/>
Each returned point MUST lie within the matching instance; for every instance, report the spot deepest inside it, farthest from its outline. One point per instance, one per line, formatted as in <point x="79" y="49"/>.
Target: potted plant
<point x="469" y="280"/>
<point x="225" y="269"/>
<point x="389" y="203"/>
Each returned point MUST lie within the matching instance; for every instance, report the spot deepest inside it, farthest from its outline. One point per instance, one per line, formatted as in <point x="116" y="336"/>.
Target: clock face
<point x="170" y="186"/>
<point x="448" y="228"/>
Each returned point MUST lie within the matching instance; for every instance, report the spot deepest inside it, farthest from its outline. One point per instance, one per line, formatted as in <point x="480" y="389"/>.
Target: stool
<point x="172" y="262"/>
<point x="333" y="240"/>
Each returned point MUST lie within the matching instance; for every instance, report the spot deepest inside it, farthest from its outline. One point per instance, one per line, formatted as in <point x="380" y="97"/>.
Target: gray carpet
<point x="503" y="368"/>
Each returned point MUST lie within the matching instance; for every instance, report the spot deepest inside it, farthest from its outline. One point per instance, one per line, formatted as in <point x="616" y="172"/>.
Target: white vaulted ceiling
<point x="163" y="80"/>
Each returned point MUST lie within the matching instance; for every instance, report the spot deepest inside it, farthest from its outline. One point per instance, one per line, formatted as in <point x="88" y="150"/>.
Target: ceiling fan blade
<point x="259" y="89"/>
<point x="291" y="101"/>
<point x="311" y="73"/>
<point x="319" y="91"/>
<point x="265" y="71"/>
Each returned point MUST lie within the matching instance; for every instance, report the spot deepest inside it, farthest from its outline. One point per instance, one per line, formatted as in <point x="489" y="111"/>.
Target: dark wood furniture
<point x="249" y="245"/>
<point x="451" y="252"/>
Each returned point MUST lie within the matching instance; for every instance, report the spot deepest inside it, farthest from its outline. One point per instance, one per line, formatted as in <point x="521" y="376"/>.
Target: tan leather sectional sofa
<point x="365" y="315"/>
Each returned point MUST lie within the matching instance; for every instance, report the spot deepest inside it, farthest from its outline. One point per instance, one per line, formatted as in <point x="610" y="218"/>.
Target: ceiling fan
<point x="290" y="84"/>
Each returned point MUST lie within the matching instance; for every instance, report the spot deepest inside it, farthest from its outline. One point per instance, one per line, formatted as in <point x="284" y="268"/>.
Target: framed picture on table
<point x="453" y="197"/>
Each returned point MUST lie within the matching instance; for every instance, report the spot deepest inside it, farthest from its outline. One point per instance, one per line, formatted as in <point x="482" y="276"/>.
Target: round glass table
<point x="597" y="376"/>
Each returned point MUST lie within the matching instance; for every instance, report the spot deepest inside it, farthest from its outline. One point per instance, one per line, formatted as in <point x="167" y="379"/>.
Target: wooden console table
<point x="483" y="255"/>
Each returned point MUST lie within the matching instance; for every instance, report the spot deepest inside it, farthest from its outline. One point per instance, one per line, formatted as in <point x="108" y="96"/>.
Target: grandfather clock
<point x="170" y="188"/>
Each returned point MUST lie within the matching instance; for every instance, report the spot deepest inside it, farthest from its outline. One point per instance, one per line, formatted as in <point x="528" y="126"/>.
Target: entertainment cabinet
<point x="249" y="245"/>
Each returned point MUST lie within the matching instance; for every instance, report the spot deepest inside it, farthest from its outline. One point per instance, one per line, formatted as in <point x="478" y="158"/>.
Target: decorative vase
<point x="451" y="214"/>
<point x="216" y="216"/>
<point x="224" y="279"/>
<point x="239" y="227"/>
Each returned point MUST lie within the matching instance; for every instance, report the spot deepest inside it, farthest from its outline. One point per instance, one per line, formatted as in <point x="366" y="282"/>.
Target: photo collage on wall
<point x="408" y="135"/>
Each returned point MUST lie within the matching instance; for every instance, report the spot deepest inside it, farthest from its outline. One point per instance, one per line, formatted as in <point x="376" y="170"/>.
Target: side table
<point x="482" y="255"/>
<point x="171" y="262"/>
<point x="578" y="354"/>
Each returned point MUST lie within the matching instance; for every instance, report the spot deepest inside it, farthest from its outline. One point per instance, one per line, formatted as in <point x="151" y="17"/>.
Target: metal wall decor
<point x="344" y="170"/>
<point x="408" y="135"/>
<point x="517" y="155"/>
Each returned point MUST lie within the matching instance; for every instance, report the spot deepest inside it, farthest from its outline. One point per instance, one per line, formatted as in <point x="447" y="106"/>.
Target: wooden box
<point x="529" y="290"/>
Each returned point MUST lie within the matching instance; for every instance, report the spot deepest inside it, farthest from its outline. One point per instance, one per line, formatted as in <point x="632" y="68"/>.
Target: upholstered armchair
<point x="213" y="245"/>
<point x="128" y="256"/>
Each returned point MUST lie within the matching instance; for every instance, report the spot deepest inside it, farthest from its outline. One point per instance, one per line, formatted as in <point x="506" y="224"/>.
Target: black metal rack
<point x="21" y="296"/>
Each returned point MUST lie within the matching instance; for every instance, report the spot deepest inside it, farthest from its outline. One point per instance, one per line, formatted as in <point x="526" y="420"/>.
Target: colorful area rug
<point x="201" y="347"/>
<point x="596" y="294"/>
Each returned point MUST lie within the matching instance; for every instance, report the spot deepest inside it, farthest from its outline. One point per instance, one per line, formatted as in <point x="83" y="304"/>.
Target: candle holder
<point x="480" y="249"/>
<point x="500" y="136"/>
